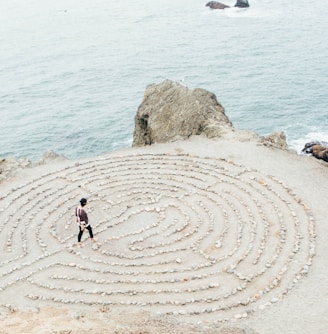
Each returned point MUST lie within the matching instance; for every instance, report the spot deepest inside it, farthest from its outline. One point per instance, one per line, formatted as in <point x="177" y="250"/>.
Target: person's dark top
<point x="82" y="215"/>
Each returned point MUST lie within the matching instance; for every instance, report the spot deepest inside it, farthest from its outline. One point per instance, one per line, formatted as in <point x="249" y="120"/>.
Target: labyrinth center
<point x="194" y="237"/>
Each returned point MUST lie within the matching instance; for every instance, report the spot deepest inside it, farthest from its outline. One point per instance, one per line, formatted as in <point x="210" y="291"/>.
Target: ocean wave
<point x="298" y="144"/>
<point x="88" y="68"/>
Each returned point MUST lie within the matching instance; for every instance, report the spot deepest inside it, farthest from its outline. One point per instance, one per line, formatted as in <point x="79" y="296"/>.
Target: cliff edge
<point x="171" y="111"/>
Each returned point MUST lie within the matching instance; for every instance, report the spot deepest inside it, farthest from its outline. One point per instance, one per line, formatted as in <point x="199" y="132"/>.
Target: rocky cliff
<point x="170" y="111"/>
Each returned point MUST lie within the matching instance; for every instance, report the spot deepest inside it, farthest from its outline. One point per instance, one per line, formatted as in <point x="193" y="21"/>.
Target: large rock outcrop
<point x="170" y="111"/>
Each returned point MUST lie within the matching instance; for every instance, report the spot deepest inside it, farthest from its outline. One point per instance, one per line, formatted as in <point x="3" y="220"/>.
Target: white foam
<point x="234" y="12"/>
<point x="298" y="144"/>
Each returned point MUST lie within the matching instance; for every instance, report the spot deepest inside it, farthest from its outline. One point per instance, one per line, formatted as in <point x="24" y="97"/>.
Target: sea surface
<point x="73" y="72"/>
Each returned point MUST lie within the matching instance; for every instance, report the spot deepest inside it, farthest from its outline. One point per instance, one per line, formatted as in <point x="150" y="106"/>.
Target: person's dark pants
<point x="89" y="228"/>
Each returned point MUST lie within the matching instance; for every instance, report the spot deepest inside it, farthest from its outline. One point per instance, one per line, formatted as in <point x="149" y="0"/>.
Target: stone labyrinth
<point x="193" y="237"/>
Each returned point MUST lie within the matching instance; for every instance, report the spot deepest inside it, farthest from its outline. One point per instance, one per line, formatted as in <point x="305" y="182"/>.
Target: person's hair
<point x="83" y="201"/>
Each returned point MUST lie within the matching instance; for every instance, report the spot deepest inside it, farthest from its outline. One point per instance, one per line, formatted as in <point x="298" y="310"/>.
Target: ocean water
<point x="73" y="72"/>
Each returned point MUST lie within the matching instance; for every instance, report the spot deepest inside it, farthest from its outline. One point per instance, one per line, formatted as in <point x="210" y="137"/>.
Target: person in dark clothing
<point x="83" y="221"/>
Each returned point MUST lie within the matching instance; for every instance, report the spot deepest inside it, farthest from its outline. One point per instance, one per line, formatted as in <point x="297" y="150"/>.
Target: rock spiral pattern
<point x="194" y="237"/>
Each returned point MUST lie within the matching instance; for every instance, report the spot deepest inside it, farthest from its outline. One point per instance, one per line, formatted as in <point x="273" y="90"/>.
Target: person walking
<point x="83" y="221"/>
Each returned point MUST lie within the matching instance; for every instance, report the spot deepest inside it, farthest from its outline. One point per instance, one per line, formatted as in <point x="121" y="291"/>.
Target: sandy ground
<point x="197" y="236"/>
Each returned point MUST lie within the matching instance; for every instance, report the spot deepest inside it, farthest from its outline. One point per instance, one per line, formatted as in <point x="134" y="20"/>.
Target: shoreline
<point x="293" y="145"/>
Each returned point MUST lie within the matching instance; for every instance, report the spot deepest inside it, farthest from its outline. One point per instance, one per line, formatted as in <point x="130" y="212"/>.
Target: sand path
<point x="210" y="233"/>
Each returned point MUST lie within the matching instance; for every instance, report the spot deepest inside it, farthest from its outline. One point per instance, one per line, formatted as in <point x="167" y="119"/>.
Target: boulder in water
<point x="219" y="5"/>
<point x="242" y="4"/>
<point x="317" y="149"/>
<point x="216" y="5"/>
